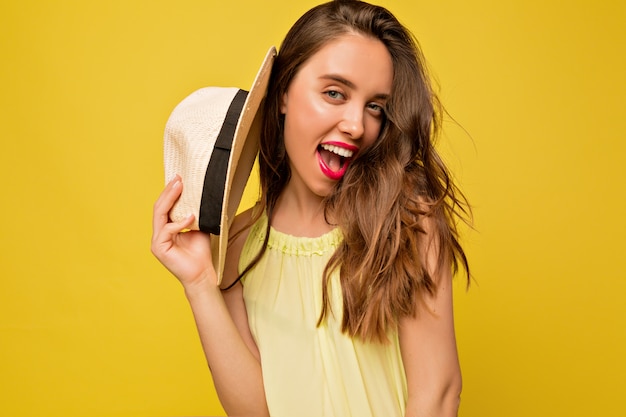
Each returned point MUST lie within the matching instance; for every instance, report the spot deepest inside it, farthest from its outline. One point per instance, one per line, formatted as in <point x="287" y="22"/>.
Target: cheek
<point x="372" y="130"/>
<point x="306" y="114"/>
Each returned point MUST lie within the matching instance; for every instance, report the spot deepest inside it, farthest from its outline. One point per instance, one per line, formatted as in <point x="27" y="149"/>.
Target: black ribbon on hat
<point x="215" y="177"/>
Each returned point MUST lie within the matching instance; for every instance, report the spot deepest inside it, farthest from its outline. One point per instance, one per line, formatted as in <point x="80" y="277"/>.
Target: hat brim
<point x="243" y="153"/>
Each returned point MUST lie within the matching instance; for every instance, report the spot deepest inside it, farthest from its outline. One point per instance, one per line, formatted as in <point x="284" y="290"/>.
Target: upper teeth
<point x="346" y="153"/>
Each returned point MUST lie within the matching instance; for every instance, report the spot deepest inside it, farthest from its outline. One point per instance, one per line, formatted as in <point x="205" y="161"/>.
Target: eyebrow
<point x="349" y="84"/>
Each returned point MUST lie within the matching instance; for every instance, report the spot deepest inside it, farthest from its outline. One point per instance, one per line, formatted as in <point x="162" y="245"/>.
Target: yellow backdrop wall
<point x="92" y="325"/>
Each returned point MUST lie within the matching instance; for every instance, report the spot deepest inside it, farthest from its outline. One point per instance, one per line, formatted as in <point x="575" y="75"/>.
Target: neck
<point x="300" y="215"/>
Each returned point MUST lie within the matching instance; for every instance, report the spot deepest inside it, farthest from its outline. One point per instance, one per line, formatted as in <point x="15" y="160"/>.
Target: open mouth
<point x="334" y="160"/>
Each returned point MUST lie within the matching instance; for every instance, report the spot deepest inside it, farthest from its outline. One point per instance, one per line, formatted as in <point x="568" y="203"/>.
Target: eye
<point x="376" y="108"/>
<point x="335" y="95"/>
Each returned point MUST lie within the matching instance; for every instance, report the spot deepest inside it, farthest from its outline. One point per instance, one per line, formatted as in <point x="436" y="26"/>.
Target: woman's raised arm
<point x="233" y="361"/>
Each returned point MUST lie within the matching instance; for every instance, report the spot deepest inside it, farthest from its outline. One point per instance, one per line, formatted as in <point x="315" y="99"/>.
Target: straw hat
<point x="211" y="141"/>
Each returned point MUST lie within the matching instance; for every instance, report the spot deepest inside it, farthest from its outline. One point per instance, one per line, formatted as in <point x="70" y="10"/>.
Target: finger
<point x="167" y="191"/>
<point x="171" y="229"/>
<point x="163" y="239"/>
<point x="164" y="203"/>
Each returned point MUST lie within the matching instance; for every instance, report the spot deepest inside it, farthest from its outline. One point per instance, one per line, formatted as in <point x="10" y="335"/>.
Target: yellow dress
<point x="309" y="370"/>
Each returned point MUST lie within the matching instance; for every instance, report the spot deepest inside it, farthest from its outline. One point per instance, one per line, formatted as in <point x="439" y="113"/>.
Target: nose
<point x="351" y="122"/>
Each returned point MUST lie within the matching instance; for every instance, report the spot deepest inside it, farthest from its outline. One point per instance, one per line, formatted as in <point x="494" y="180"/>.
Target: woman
<point x="337" y="295"/>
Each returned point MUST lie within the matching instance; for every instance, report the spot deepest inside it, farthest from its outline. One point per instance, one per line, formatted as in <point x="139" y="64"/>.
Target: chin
<point x="323" y="191"/>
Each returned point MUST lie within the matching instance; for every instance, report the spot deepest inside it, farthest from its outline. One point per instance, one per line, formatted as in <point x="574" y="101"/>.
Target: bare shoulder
<point x="237" y="238"/>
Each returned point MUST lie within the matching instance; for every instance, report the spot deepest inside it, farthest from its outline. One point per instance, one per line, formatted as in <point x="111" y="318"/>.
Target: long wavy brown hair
<point x="389" y="189"/>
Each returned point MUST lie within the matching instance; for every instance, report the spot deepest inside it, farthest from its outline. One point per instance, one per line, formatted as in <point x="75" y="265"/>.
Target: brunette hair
<point x="390" y="189"/>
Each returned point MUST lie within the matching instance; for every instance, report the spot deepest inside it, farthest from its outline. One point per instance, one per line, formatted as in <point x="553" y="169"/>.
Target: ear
<point x="283" y="104"/>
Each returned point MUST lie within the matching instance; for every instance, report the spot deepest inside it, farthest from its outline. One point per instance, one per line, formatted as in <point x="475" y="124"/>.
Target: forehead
<point x="362" y="60"/>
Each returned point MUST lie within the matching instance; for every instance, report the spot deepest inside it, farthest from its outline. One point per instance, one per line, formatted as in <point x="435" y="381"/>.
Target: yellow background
<point x="92" y="325"/>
